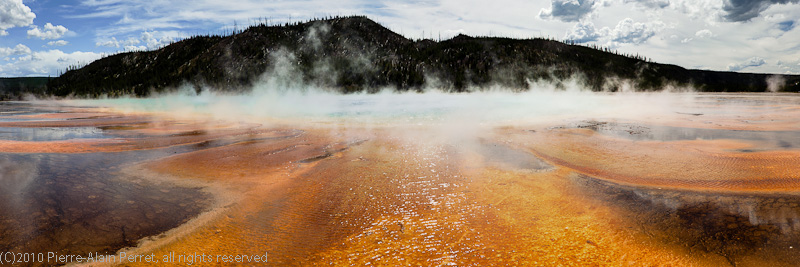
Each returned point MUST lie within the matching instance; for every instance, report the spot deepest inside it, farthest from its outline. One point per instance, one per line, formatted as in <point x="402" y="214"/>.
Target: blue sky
<point x="44" y="37"/>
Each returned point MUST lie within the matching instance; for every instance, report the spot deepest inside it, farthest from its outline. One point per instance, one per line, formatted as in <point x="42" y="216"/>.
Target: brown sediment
<point x="155" y="137"/>
<point x="333" y="195"/>
<point x="69" y="146"/>
<point x="270" y="215"/>
<point x="192" y="137"/>
<point x="187" y="127"/>
<point x="764" y="122"/>
<point x="392" y="202"/>
<point x="76" y="205"/>
<point x="778" y="117"/>
<point x="253" y="158"/>
<point x="730" y="228"/>
<point x="699" y="165"/>
<point x="221" y="203"/>
<point x="63" y="115"/>
<point x="114" y="120"/>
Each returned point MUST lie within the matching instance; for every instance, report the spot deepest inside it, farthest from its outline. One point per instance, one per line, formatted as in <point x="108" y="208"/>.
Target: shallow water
<point x="77" y="204"/>
<point x="80" y="203"/>
<point x="51" y="133"/>
<point x="485" y="179"/>
<point x="10" y="110"/>
<point x="640" y="131"/>
<point x="733" y="225"/>
<point x="505" y="157"/>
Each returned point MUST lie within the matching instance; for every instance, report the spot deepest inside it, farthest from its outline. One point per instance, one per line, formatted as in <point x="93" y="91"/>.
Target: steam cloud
<point x="284" y="94"/>
<point x="775" y="83"/>
<point x="280" y="96"/>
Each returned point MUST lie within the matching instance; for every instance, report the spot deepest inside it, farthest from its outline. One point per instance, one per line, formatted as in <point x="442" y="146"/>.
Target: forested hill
<point x="17" y="88"/>
<point x="355" y="53"/>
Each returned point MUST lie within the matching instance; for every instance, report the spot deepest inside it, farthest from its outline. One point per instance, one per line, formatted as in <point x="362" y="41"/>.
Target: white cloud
<point x="704" y="33"/>
<point x="110" y="43"/>
<point x="652" y="4"/>
<point x="147" y="40"/>
<point x="775" y="17"/>
<point x="20" y="49"/>
<point x="113" y="42"/>
<point x="626" y="31"/>
<point x="130" y="48"/>
<point x="567" y="10"/>
<point x="158" y="39"/>
<point x="50" y="62"/>
<point x="650" y="24"/>
<point x="791" y="67"/>
<point x="708" y="11"/>
<point x="50" y="31"/>
<point x="583" y="32"/>
<point x="13" y="13"/>
<point x="57" y="43"/>
<point x="752" y="62"/>
<point x="510" y="18"/>
<point x="141" y="15"/>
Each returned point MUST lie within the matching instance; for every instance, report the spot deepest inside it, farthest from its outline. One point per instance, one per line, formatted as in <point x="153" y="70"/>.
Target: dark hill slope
<point x="17" y="88"/>
<point x="355" y="53"/>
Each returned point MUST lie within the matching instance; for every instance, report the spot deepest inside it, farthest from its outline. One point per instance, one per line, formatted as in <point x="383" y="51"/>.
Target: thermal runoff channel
<point x="541" y="177"/>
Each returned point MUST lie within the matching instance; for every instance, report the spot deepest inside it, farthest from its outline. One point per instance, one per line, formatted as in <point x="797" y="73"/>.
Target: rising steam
<point x="775" y="83"/>
<point x="285" y="94"/>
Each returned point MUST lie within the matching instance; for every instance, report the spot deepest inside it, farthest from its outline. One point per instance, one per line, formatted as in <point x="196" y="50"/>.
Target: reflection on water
<point x="77" y="203"/>
<point x="10" y="110"/>
<point x="50" y="133"/>
<point x="633" y="131"/>
<point x="506" y="157"/>
<point x="733" y="225"/>
<point x="80" y="203"/>
<point x="16" y="175"/>
<point x="328" y="192"/>
<point x="17" y="112"/>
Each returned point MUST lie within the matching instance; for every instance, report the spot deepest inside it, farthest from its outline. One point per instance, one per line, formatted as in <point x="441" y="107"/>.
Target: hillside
<point x="354" y="54"/>
<point x="16" y="88"/>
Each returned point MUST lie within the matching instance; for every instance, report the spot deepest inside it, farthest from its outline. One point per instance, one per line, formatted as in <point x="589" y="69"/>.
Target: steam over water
<point x="543" y="177"/>
<point x="496" y="107"/>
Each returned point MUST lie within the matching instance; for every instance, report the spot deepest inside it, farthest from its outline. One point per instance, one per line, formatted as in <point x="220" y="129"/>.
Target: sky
<point x="44" y="37"/>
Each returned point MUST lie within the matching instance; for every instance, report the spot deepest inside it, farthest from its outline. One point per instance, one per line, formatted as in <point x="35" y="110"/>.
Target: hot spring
<point x="306" y="177"/>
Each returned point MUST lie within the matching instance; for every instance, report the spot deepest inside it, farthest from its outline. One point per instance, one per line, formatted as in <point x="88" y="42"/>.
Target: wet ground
<point x="77" y="204"/>
<point x="714" y="181"/>
<point x="768" y="140"/>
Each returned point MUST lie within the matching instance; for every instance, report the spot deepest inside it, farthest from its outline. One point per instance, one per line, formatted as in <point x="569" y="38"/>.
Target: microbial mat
<point x="536" y="179"/>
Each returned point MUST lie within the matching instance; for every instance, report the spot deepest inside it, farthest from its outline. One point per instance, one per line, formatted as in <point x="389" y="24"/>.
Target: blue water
<point x="50" y="133"/>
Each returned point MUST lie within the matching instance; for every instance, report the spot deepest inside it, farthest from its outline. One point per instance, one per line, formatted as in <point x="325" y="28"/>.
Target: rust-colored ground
<point x="389" y="201"/>
<point x="334" y="195"/>
<point x="696" y="165"/>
